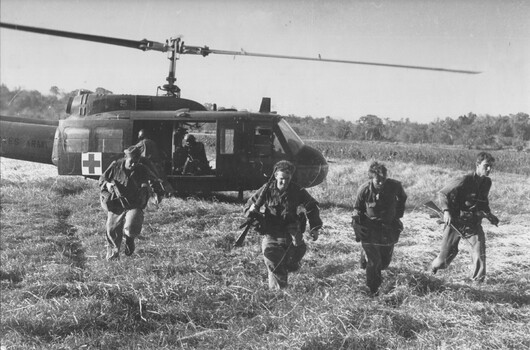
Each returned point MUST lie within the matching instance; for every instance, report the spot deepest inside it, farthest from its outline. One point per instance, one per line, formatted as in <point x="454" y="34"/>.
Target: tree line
<point x="469" y="130"/>
<point x="32" y="104"/>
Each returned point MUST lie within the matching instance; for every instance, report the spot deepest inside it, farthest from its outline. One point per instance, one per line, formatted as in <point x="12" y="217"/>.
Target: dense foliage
<point x="471" y="130"/>
<point x="33" y="104"/>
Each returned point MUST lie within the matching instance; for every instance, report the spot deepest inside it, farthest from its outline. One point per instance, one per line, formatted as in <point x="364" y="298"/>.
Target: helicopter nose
<point x="311" y="167"/>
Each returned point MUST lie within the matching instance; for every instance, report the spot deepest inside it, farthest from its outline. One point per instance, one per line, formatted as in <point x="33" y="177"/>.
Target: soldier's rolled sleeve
<point x="253" y="200"/>
<point x="312" y="209"/>
<point x="485" y="205"/>
<point x="449" y="190"/>
<point x="107" y="176"/>
<point x="401" y="200"/>
<point x="360" y="200"/>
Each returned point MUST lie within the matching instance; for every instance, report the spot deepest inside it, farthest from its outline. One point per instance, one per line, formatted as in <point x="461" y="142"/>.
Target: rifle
<point x="431" y="205"/>
<point x="491" y="218"/>
<point x="124" y="202"/>
<point x="253" y="218"/>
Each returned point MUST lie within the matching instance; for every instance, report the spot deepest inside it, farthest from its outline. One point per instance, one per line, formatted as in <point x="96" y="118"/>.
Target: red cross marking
<point x="91" y="164"/>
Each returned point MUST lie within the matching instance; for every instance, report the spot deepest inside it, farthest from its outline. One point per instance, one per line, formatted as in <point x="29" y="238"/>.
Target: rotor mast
<point x="171" y="88"/>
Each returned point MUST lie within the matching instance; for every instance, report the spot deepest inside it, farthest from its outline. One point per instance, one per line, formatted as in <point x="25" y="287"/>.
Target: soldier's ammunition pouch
<point x="269" y="224"/>
<point x="111" y="202"/>
<point x="273" y="225"/>
<point x="114" y="203"/>
<point x="361" y="231"/>
<point x="370" y="231"/>
<point x="467" y="222"/>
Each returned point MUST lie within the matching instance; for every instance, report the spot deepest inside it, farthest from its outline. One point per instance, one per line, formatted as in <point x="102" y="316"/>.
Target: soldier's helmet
<point x="189" y="138"/>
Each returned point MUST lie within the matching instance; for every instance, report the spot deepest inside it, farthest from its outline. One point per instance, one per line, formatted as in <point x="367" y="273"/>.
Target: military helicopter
<point x="244" y="145"/>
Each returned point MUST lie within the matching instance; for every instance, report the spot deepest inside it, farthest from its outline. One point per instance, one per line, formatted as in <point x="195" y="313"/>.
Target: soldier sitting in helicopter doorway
<point x="153" y="159"/>
<point x="196" y="161"/>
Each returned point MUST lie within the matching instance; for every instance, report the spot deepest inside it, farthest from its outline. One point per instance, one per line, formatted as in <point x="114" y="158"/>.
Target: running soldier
<point x="465" y="203"/>
<point x="283" y="225"/>
<point x="124" y="194"/>
<point x="378" y="208"/>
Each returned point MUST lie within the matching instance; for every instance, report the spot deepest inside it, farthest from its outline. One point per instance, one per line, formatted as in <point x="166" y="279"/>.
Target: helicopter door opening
<point x="154" y="138"/>
<point x="193" y="149"/>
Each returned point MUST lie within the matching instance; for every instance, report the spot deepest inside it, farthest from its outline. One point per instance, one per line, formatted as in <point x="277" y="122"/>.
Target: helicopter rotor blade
<point x="134" y="44"/>
<point x="145" y="45"/>
<point x="204" y="51"/>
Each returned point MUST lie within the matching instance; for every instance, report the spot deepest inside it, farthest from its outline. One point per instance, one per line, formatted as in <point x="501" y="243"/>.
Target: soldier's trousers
<point x="281" y="256"/>
<point x="128" y="222"/>
<point x="378" y="258"/>
<point x="449" y="250"/>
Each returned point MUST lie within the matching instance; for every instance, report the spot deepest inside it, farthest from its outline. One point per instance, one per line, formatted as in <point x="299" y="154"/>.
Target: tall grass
<point x="508" y="161"/>
<point x="187" y="287"/>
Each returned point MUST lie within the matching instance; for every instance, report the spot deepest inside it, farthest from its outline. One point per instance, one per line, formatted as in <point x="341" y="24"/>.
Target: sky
<point x="482" y="35"/>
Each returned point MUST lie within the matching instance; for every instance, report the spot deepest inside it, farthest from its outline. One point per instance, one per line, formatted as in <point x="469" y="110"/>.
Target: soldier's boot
<point x="362" y="261"/>
<point x="129" y="245"/>
<point x="112" y="253"/>
<point x="294" y="257"/>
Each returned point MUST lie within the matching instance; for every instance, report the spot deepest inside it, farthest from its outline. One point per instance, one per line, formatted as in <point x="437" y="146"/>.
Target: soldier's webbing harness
<point x="255" y="219"/>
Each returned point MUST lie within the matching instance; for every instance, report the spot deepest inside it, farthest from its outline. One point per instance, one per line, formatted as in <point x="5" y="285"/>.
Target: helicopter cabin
<point x="240" y="148"/>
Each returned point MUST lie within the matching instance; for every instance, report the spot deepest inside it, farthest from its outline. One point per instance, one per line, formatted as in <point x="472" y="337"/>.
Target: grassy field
<point x="187" y="288"/>
<point x="444" y="156"/>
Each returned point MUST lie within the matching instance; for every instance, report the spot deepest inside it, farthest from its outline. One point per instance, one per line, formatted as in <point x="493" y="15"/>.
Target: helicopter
<point x="242" y="146"/>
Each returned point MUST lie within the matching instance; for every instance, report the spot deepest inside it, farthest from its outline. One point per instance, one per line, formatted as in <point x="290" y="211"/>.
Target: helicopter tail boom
<point x="27" y="139"/>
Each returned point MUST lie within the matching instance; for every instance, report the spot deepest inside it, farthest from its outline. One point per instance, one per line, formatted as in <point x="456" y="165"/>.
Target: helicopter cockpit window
<point x="226" y="145"/>
<point x="294" y="142"/>
<point x="109" y="140"/>
<point x="76" y="140"/>
<point x="263" y="140"/>
<point x="278" y="146"/>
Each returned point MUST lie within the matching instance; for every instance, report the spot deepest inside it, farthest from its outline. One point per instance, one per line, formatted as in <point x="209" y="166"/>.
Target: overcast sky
<point x="483" y="35"/>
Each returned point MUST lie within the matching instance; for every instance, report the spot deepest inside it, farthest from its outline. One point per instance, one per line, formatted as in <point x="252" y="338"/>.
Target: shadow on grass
<point x="326" y="204"/>
<point x="211" y="197"/>
<point x="334" y="268"/>
<point x="423" y="284"/>
<point x="502" y="296"/>
<point x="70" y="246"/>
<point x="16" y="274"/>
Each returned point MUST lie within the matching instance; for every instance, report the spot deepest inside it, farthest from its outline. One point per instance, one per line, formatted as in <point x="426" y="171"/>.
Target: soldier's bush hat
<point x="133" y="151"/>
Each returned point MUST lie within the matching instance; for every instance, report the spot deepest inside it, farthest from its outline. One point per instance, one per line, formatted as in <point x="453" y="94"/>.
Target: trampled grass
<point x="187" y="287"/>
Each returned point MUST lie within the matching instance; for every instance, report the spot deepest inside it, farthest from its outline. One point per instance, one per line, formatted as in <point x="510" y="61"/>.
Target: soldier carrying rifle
<point x="378" y="208"/>
<point x="283" y="245"/>
<point x="124" y="194"/>
<point x="465" y="203"/>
